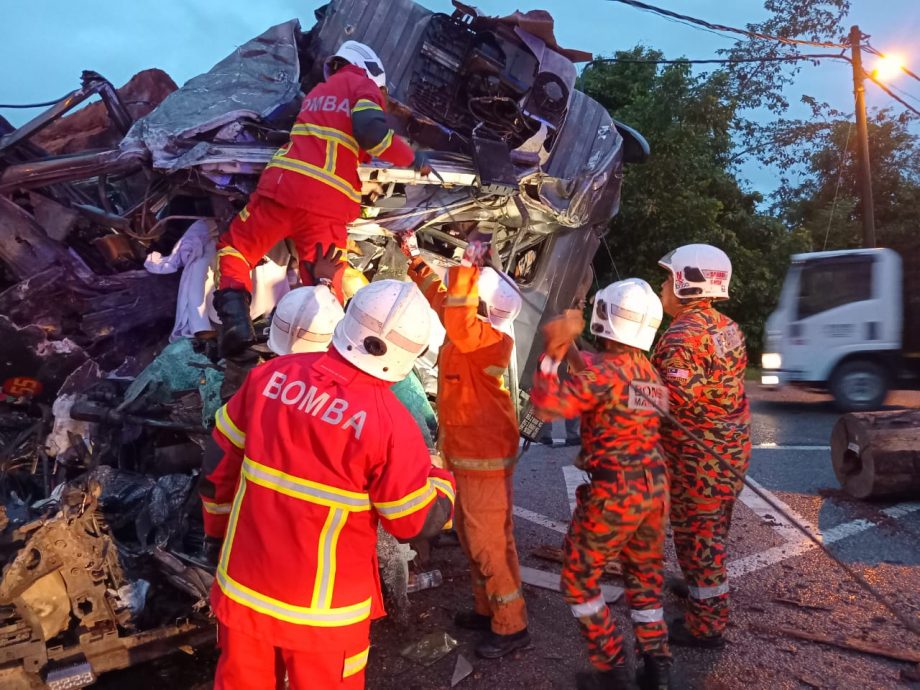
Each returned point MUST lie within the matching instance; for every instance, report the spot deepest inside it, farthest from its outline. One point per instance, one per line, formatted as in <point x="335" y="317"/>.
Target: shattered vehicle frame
<point x="97" y="574"/>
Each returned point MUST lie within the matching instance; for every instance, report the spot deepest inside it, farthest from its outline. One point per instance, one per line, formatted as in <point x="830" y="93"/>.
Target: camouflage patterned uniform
<point x="702" y="359"/>
<point x="621" y="513"/>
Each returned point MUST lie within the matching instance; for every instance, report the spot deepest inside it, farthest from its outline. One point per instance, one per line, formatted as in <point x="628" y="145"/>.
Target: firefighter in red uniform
<point x="317" y="450"/>
<point x="478" y="432"/>
<point x="621" y="513"/>
<point x="702" y="359"/>
<point x="310" y="189"/>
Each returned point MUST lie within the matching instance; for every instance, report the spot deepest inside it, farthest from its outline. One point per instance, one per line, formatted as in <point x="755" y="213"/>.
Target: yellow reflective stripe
<point x="230" y="430"/>
<point x="244" y="214"/>
<point x="482" y="463"/>
<point x="365" y="104"/>
<point x="214" y="508"/>
<point x="461" y="301"/>
<point x="299" y="615"/>
<point x="429" y="280"/>
<point x="383" y="145"/>
<point x="231" y="525"/>
<point x="444" y="486"/>
<point x="408" y="504"/>
<point x="494" y="370"/>
<point x="316" y="173"/>
<point x="328" y="133"/>
<point x="230" y="251"/>
<point x="355" y="664"/>
<point x="304" y="489"/>
<point x="329" y="165"/>
<point x="325" y="558"/>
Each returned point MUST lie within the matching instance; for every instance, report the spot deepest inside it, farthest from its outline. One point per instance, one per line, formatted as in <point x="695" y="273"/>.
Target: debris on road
<point x="462" y="669"/>
<point x="844" y="643"/>
<point x="430" y="648"/>
<point x="556" y="555"/>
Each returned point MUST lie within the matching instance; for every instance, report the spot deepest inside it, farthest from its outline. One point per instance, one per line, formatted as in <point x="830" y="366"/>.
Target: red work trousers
<point x="249" y="663"/>
<point x="263" y="223"/>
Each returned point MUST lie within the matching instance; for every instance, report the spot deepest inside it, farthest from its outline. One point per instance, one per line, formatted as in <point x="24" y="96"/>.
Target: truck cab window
<point x="832" y="283"/>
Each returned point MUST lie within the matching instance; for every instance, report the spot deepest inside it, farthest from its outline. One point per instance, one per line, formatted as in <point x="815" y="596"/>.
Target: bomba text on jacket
<point x="310" y="401"/>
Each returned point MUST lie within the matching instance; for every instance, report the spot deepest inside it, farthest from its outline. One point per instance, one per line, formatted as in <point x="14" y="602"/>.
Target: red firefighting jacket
<point x="619" y="427"/>
<point x="477" y="422"/>
<point x="318" y="168"/>
<point x="316" y="452"/>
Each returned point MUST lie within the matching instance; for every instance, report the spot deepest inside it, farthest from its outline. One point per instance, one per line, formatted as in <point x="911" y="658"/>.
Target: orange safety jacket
<point x="318" y="168"/>
<point x="315" y="453"/>
<point x="477" y="421"/>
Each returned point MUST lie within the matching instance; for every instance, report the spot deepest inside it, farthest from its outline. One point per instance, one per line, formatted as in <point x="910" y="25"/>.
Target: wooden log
<point x="852" y="644"/>
<point x="877" y="454"/>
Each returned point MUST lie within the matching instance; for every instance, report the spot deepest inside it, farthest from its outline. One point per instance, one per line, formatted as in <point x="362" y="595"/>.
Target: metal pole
<point x="864" y="172"/>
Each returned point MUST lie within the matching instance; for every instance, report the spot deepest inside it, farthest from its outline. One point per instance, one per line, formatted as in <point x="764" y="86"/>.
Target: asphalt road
<point x="778" y="581"/>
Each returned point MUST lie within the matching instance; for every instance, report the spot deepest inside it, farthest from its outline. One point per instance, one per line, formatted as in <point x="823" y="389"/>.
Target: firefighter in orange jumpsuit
<point x="310" y="189"/>
<point x="317" y="451"/>
<point x="479" y="436"/>
<point x="702" y="360"/>
<point x="621" y="513"/>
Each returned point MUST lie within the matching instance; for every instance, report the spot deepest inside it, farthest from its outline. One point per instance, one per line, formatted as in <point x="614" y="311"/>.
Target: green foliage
<point x="686" y="191"/>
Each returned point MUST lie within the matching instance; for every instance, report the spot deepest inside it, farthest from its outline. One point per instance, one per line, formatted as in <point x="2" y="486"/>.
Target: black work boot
<point x="680" y="636"/>
<point x="235" y="333"/>
<point x="616" y="678"/>
<point x="655" y="673"/>
<point x="677" y="585"/>
<point x="470" y="620"/>
<point x="494" y="645"/>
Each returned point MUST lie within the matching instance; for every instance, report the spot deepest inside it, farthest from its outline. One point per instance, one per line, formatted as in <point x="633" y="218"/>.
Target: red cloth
<point x="260" y="226"/>
<point x="318" y="168"/>
<point x="316" y="451"/>
<point x="251" y="663"/>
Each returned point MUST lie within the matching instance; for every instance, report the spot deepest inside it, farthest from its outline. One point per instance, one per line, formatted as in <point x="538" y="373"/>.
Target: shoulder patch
<point x="675" y="374"/>
<point x="728" y="339"/>
<point x="646" y="395"/>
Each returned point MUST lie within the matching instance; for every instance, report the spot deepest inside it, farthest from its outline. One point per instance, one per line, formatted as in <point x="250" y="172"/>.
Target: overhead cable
<point x="730" y="29"/>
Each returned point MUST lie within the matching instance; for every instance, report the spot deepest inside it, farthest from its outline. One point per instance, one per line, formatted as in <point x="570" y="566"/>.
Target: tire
<point x="859" y="386"/>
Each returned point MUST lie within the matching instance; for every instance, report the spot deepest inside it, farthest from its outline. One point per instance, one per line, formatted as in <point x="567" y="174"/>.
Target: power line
<point x="33" y="105"/>
<point x="903" y="68"/>
<point x="723" y="28"/>
<point x="729" y="61"/>
<point x="891" y="93"/>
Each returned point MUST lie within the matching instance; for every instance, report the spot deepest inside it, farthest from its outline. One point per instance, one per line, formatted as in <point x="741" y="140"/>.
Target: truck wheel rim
<point x="861" y="387"/>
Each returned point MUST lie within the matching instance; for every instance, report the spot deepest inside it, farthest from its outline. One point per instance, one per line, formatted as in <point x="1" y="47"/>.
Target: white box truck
<point x="848" y="321"/>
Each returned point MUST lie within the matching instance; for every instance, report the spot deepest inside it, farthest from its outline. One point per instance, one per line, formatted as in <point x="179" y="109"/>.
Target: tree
<point x="687" y="192"/>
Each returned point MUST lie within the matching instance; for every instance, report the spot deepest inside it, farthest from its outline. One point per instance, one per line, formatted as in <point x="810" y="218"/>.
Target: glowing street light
<point x="888" y="67"/>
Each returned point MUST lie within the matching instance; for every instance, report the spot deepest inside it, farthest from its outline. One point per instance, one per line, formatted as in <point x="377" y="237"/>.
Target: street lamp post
<point x="864" y="172"/>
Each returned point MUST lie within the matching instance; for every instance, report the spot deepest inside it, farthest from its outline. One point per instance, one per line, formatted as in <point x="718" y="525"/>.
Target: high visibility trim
<point x="646" y="615"/>
<point x="700" y="593"/>
<point x="325" y="557"/>
<point x="429" y="280"/>
<point x="304" y="489"/>
<point x="329" y="165"/>
<point x="444" y="487"/>
<point x="411" y="503"/>
<point x="330" y="134"/>
<point x="461" y="301"/>
<point x="230" y="430"/>
<point x="355" y="664"/>
<point x="383" y="145"/>
<point x="482" y="464"/>
<point x="494" y="370"/>
<point x="213" y="508"/>
<point x="231" y="525"/>
<point x="244" y="214"/>
<point x="365" y="104"/>
<point x="507" y="598"/>
<point x="315" y="173"/>
<point x="589" y="608"/>
<point x="299" y="615"/>
<point x="230" y="251"/>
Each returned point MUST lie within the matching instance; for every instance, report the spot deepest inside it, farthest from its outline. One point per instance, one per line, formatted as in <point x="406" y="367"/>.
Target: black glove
<point x="210" y="550"/>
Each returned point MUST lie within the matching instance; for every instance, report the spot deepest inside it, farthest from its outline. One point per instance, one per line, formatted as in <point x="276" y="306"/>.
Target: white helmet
<point x="304" y="321"/>
<point x="503" y="302"/>
<point x="361" y="56"/>
<point x="386" y="327"/>
<point x="699" y="270"/>
<point x="628" y="312"/>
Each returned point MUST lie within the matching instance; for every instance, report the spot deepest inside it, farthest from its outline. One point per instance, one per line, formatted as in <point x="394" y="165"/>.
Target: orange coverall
<point x="479" y="440"/>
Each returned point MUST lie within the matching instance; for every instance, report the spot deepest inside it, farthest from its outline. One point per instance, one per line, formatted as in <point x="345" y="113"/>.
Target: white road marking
<point x="539" y="519"/>
<point x="774" y="446"/>
<point x="574" y="478"/>
<point x="773" y="517"/>
<point x="551" y="581"/>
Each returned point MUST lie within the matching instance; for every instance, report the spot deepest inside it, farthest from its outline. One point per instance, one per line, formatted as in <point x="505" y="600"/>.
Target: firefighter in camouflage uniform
<point x="621" y="513"/>
<point x="702" y="359"/>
